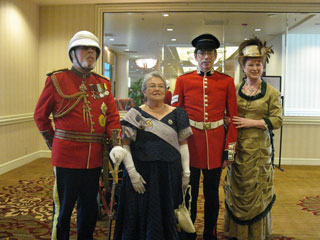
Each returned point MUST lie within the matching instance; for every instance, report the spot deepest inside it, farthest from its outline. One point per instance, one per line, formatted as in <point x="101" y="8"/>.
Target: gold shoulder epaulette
<point x="104" y="77"/>
<point x="59" y="70"/>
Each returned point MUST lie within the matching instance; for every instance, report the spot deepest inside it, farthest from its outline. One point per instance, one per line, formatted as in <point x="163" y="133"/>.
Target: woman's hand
<point x="248" y="123"/>
<point x="241" y="122"/>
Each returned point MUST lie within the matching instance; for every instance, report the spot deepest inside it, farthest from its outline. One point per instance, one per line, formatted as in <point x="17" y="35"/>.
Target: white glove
<point x="117" y="153"/>
<point x="184" y="151"/>
<point x="136" y="179"/>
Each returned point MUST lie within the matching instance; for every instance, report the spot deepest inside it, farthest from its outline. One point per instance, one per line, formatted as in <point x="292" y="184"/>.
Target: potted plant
<point x="135" y="92"/>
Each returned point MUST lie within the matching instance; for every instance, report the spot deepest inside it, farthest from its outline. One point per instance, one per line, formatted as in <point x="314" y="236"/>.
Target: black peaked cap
<point x="206" y="41"/>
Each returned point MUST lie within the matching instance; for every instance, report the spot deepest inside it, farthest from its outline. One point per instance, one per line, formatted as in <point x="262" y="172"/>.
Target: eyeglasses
<point x="154" y="86"/>
<point x="202" y="53"/>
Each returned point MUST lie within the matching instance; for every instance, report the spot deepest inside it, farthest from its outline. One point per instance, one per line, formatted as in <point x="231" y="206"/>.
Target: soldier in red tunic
<point x="206" y="95"/>
<point x="85" y="118"/>
<point x="168" y="96"/>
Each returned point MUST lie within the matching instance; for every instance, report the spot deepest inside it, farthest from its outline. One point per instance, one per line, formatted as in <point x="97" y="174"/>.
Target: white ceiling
<point x="65" y="2"/>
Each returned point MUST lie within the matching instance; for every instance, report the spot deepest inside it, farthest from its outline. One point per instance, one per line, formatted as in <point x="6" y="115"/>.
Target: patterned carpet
<point x="26" y="212"/>
<point x="311" y="204"/>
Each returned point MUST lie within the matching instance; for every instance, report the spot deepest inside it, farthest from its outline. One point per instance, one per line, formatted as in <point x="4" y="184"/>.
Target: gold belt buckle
<point x="206" y="126"/>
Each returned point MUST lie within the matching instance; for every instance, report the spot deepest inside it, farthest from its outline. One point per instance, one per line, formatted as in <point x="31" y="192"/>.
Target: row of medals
<point x="98" y="91"/>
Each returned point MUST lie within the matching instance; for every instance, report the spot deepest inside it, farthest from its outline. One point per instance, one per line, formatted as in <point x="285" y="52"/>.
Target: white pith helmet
<point x="84" y="38"/>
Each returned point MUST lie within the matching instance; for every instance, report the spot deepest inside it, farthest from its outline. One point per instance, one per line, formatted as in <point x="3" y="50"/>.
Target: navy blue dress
<point x="150" y="216"/>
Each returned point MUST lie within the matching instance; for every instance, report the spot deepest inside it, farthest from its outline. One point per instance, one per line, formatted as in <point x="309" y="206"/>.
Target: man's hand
<point x="226" y="120"/>
<point x="226" y="163"/>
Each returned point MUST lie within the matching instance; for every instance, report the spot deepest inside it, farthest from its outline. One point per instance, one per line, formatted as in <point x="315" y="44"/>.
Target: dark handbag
<point x="183" y="214"/>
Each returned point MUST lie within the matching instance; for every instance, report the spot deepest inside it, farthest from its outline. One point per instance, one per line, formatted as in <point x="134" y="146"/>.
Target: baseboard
<point x="18" y="162"/>
<point x="298" y="161"/>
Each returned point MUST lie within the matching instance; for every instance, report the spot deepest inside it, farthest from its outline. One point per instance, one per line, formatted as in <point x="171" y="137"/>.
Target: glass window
<point x="166" y="39"/>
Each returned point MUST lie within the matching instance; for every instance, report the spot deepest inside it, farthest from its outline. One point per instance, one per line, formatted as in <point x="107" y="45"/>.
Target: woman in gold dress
<point x="249" y="191"/>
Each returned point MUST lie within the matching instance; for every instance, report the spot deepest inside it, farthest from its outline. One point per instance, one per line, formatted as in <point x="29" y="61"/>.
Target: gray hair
<point x="148" y="76"/>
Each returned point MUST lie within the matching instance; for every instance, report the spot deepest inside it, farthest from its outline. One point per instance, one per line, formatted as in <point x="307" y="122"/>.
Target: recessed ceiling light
<point x="169" y="29"/>
<point x="246" y="38"/>
<point x="111" y="39"/>
<point x="173" y="39"/>
<point x="165" y="15"/>
<point x="257" y="29"/>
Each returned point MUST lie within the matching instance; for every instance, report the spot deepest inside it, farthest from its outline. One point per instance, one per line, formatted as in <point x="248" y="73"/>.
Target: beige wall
<point x="34" y="41"/>
<point x="57" y="26"/>
<point x="19" y="87"/>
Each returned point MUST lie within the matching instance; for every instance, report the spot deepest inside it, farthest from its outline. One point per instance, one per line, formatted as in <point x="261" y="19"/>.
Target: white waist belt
<point x="206" y="125"/>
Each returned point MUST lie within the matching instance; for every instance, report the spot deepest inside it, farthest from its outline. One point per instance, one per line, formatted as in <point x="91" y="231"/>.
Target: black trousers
<point x="211" y="181"/>
<point x="71" y="186"/>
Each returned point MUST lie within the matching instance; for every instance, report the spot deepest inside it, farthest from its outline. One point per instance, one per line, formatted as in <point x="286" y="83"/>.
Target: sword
<point x="113" y="189"/>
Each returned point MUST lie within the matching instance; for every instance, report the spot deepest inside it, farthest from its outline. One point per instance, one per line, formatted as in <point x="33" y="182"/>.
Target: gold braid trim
<point x="78" y="95"/>
<point x="116" y="137"/>
<point x="57" y="86"/>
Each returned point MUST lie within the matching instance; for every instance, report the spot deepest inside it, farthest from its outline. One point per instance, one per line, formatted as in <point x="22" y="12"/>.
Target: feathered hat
<point x="254" y="48"/>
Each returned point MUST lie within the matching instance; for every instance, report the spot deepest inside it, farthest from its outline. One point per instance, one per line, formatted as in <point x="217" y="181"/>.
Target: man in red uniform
<point x="206" y="94"/>
<point x="84" y="115"/>
<point x="168" y="96"/>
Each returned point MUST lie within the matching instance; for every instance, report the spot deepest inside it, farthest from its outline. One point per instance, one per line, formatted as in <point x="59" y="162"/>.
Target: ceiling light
<point x="173" y="39"/>
<point x="146" y="63"/>
<point x="111" y="39"/>
<point x="169" y="29"/>
<point x="165" y="14"/>
<point x="271" y="15"/>
<point x="257" y="29"/>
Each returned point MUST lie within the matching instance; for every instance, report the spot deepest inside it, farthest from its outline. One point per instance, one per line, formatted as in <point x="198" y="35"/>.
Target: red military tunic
<point x="205" y="99"/>
<point x="95" y="113"/>
<point x="167" y="97"/>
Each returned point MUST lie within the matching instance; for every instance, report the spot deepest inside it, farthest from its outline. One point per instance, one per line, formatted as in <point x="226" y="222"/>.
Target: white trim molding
<point x="298" y="161"/>
<point x="18" y="162"/>
<point x="301" y="120"/>
<point x="17" y="118"/>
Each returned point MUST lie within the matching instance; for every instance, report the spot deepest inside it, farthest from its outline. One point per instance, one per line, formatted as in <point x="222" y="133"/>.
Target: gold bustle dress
<point x="248" y="186"/>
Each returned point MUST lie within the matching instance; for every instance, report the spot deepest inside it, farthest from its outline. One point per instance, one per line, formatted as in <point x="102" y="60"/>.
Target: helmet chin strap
<point x="80" y="65"/>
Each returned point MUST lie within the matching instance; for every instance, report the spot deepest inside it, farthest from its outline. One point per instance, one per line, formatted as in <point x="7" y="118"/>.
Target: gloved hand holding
<point x="136" y="179"/>
<point x="117" y="154"/>
<point x="185" y="159"/>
